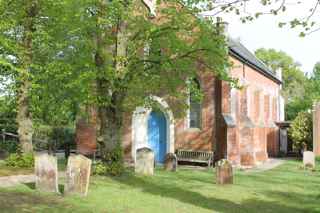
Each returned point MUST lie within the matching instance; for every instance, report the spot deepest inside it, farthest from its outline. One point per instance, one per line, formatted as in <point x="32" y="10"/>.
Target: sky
<point x="264" y="32"/>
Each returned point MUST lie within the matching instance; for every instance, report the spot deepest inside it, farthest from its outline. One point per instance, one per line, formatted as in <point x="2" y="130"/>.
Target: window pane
<point x="195" y="106"/>
<point x="195" y="115"/>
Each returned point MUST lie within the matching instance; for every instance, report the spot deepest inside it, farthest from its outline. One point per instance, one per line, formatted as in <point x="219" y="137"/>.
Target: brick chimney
<point x="222" y="27"/>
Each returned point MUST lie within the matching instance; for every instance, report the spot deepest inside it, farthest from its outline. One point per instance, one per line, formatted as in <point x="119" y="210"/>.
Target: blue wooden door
<point x="157" y="135"/>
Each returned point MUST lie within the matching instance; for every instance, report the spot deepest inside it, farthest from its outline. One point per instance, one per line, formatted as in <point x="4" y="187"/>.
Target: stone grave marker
<point x="144" y="161"/>
<point x="309" y="159"/>
<point x="77" y="175"/>
<point x="170" y="163"/>
<point x="224" y="172"/>
<point x="316" y="129"/>
<point x="46" y="170"/>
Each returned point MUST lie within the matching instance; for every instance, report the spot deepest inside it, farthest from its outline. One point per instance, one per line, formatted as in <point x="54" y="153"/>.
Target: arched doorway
<point x="140" y="123"/>
<point x="157" y="135"/>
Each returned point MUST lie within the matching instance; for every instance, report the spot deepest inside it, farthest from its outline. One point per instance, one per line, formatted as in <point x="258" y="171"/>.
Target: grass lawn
<point x="8" y="171"/>
<point x="283" y="189"/>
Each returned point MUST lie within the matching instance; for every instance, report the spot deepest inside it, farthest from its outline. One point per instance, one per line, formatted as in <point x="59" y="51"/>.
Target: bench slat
<point x="195" y="156"/>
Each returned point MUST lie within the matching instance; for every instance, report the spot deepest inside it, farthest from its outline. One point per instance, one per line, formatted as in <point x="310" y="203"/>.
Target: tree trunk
<point x="25" y="129"/>
<point x="111" y="131"/>
<point x="24" y="119"/>
<point x="110" y="112"/>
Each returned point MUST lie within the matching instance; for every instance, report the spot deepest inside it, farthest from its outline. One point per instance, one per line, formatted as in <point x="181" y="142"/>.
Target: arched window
<point x="195" y="105"/>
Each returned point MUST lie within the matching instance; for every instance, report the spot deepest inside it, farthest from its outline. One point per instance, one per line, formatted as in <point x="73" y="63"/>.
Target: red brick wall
<point x="257" y="133"/>
<point x="199" y="139"/>
<point x="85" y="137"/>
<point x="186" y="138"/>
<point x="247" y="142"/>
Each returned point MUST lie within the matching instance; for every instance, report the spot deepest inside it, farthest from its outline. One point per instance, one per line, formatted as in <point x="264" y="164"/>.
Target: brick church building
<point x="237" y="124"/>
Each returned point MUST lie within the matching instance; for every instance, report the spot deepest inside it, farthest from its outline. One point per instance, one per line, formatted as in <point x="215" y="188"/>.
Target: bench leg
<point x="210" y="163"/>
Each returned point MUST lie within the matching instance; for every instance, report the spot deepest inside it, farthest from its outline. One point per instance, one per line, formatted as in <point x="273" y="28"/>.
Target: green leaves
<point x="301" y="131"/>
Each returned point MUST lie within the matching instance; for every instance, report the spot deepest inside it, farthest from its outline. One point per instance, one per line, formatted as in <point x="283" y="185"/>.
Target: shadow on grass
<point x="309" y="201"/>
<point x="164" y="189"/>
<point x="18" y="201"/>
<point x="33" y="187"/>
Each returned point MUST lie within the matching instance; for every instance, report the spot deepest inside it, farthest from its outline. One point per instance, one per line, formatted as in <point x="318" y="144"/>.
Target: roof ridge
<point x="245" y="54"/>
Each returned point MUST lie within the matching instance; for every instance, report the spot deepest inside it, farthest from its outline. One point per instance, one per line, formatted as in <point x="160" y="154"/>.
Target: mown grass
<point x="287" y="188"/>
<point x="8" y="171"/>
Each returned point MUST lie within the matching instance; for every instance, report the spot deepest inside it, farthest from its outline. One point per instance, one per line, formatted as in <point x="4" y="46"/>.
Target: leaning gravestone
<point x="224" y="172"/>
<point x="77" y="175"/>
<point x="46" y="170"/>
<point x="144" y="161"/>
<point x="308" y="159"/>
<point x="170" y="163"/>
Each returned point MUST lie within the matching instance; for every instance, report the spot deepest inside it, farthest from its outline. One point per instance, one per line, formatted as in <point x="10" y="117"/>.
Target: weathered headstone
<point x="308" y="159"/>
<point x="77" y="175"/>
<point x="170" y="163"/>
<point x="224" y="172"/>
<point x="46" y="170"/>
<point x="144" y="161"/>
<point x="316" y="129"/>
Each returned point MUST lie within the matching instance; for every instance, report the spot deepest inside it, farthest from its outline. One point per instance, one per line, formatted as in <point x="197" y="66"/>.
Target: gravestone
<point x="308" y="159"/>
<point x="224" y="172"/>
<point x="144" y="161"/>
<point x="77" y="175"/>
<point x="170" y="163"/>
<point x="316" y="129"/>
<point x="46" y="170"/>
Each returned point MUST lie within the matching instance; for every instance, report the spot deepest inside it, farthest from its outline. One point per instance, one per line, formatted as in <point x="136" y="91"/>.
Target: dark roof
<point x="237" y="50"/>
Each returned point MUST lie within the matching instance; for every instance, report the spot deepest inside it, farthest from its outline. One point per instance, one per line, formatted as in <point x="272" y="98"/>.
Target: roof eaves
<point x="264" y="72"/>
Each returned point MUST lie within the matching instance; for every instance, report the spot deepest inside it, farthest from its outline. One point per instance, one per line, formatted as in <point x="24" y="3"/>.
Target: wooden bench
<point x="195" y="156"/>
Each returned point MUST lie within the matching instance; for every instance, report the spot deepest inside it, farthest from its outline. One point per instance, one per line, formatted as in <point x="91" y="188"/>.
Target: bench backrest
<point x="200" y="155"/>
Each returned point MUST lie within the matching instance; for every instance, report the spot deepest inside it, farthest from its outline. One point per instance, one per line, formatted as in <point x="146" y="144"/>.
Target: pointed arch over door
<point x="140" y="136"/>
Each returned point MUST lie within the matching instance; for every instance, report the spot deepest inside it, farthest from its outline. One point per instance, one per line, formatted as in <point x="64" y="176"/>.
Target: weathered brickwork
<point x="199" y="139"/>
<point x="85" y="138"/>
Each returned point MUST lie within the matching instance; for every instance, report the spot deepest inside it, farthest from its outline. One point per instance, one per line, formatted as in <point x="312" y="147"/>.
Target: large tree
<point x="122" y="56"/>
<point x="26" y="30"/>
<point x="18" y="26"/>
<point x="313" y="86"/>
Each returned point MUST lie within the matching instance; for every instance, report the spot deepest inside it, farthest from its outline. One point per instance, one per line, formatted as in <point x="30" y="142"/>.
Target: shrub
<point x="111" y="163"/>
<point x="115" y="168"/>
<point x="301" y="131"/>
<point x="108" y="168"/>
<point x="17" y="160"/>
<point x="9" y="146"/>
<point x="99" y="168"/>
<point x="56" y="137"/>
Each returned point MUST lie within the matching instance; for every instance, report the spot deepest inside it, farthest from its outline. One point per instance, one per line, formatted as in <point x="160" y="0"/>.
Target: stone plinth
<point x="224" y="172"/>
<point x="144" y="161"/>
<point x="46" y="170"/>
<point x="77" y="175"/>
<point x="308" y="159"/>
<point x="170" y="163"/>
